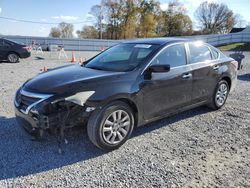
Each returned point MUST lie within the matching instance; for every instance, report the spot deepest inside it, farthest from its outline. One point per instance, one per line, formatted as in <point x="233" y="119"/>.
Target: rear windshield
<point x="122" y="57"/>
<point x="12" y="42"/>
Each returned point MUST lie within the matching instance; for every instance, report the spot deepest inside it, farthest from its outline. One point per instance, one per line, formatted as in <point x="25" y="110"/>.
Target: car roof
<point x="8" y="40"/>
<point x="5" y="39"/>
<point x="157" y="41"/>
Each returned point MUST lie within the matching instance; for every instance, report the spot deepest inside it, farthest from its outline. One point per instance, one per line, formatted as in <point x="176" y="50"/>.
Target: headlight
<point x="80" y="98"/>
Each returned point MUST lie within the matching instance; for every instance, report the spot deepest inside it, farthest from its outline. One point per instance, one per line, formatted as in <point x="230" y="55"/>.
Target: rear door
<point x="204" y="70"/>
<point x="166" y="92"/>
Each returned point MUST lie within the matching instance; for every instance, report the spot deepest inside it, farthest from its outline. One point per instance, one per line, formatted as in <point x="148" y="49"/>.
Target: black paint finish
<point x="151" y="96"/>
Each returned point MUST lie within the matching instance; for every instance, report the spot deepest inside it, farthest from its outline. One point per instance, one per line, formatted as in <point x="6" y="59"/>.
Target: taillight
<point x="235" y="64"/>
<point x="27" y="48"/>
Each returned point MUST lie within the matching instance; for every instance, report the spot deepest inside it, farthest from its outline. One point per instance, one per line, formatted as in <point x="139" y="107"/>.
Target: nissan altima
<point x="126" y="86"/>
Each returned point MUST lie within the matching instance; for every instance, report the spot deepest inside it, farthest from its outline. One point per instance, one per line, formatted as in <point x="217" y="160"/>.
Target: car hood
<point x="65" y="79"/>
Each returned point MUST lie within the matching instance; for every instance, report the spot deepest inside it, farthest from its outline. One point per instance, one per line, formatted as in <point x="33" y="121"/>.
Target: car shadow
<point x="20" y="156"/>
<point x="170" y="120"/>
<point x="7" y="62"/>
<point x="244" y="77"/>
<point x="39" y="58"/>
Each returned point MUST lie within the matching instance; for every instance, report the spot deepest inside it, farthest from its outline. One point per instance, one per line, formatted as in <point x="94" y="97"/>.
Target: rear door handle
<point x="187" y="75"/>
<point x="216" y="67"/>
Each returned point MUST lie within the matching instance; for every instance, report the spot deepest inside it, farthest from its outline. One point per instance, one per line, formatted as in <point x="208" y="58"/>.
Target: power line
<point x="36" y="22"/>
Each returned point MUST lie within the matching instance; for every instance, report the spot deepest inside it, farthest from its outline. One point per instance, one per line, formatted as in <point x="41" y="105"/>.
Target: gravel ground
<point x="197" y="148"/>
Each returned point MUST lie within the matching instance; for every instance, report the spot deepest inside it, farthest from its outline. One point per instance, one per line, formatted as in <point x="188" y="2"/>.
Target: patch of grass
<point x="235" y="47"/>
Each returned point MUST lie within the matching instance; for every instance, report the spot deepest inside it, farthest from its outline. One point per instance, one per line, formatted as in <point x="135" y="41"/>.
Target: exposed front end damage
<point x="41" y="112"/>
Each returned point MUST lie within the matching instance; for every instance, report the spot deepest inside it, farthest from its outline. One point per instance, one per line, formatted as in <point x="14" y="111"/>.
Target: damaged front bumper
<point x="27" y="121"/>
<point x="39" y="112"/>
<point x="35" y="122"/>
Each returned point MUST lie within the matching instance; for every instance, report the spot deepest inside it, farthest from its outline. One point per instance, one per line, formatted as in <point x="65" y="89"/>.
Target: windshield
<point x="122" y="57"/>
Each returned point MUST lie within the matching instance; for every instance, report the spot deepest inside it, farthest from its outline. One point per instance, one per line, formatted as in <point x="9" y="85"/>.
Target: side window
<point x="1" y="42"/>
<point x="222" y="55"/>
<point x="215" y="53"/>
<point x="199" y="53"/>
<point x="6" y="44"/>
<point x="173" y="55"/>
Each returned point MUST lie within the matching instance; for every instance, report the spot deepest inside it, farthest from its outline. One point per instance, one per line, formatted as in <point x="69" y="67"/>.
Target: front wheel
<point x="220" y="95"/>
<point x="13" y="58"/>
<point x="111" y="126"/>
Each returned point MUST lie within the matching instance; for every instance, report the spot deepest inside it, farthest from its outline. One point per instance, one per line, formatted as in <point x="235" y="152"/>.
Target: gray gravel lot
<point x="197" y="148"/>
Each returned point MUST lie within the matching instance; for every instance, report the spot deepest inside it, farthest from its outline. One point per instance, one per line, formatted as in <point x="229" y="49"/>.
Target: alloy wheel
<point x="116" y="127"/>
<point x="12" y="58"/>
<point x="221" y="94"/>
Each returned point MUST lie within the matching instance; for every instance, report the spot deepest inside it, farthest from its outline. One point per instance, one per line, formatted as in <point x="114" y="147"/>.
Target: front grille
<point x="26" y="101"/>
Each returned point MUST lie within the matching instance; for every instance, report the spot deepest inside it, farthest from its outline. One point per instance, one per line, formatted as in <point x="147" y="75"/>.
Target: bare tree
<point x="215" y="18"/>
<point x="66" y="29"/>
<point x="240" y="22"/>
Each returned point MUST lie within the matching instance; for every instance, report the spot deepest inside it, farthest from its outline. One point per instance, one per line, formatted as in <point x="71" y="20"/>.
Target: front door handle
<point x="187" y="75"/>
<point x="216" y="67"/>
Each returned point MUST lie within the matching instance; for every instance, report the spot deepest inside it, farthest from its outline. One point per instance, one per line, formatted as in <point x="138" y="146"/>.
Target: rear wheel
<point x="13" y="58"/>
<point x="111" y="126"/>
<point x="220" y="95"/>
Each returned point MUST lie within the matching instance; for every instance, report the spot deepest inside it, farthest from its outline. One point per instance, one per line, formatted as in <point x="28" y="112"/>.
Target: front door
<point x="166" y="92"/>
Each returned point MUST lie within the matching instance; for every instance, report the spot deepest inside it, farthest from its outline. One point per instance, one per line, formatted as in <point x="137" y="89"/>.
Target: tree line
<point x="119" y="19"/>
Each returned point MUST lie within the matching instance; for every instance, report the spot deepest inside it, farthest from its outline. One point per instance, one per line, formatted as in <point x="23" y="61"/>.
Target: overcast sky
<point x="76" y="11"/>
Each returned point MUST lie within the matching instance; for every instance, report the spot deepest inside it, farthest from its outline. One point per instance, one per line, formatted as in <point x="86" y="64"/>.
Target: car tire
<point x="110" y="127"/>
<point x="220" y="95"/>
<point x="12" y="57"/>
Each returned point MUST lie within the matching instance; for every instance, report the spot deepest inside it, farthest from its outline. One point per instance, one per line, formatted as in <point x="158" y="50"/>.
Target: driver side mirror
<point x="156" y="69"/>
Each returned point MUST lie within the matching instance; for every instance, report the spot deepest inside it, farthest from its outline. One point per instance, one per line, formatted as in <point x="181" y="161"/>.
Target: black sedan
<point x="12" y="51"/>
<point x="126" y="86"/>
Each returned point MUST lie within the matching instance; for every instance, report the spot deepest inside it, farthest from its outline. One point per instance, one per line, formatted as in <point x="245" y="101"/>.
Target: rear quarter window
<point x="215" y="53"/>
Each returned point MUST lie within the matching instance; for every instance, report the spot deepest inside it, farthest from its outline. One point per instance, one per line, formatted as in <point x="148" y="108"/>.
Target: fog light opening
<point x="90" y="109"/>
